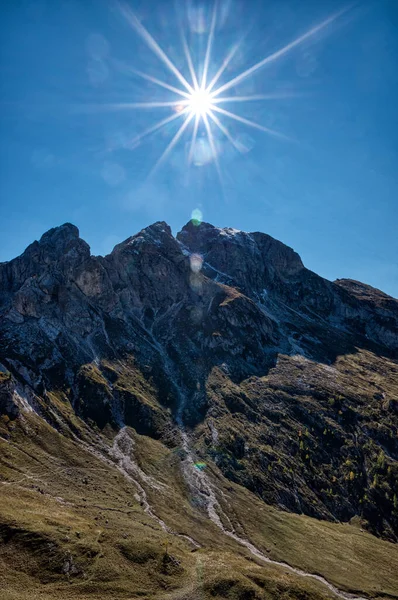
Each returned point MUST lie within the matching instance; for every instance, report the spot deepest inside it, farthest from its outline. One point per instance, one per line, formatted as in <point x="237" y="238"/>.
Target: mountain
<point x="197" y="416"/>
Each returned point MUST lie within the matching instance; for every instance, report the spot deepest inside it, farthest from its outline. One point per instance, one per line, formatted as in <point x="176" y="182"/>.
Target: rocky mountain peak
<point x="204" y="236"/>
<point x="59" y="250"/>
<point x="156" y="234"/>
<point x="198" y="236"/>
<point x="57" y="243"/>
<point x="218" y="351"/>
<point x="62" y="233"/>
<point x="255" y="262"/>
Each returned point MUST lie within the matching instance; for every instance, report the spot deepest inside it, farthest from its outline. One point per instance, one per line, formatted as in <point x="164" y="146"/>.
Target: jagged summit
<point x="204" y="238"/>
<point x="65" y="231"/>
<point x="153" y="233"/>
<point x="58" y="241"/>
<point x="194" y="235"/>
<point x="154" y="269"/>
<point x="176" y="388"/>
<point x="254" y="260"/>
<point x="202" y="228"/>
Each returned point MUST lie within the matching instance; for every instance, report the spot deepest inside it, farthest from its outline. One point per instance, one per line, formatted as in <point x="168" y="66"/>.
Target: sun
<point x="198" y="98"/>
<point x="200" y="103"/>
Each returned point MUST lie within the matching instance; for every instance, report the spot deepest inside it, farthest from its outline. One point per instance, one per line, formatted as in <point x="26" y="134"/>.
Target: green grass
<point x="56" y="500"/>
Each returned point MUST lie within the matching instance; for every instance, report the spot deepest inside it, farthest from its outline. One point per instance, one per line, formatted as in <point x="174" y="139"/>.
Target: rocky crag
<point x="222" y="349"/>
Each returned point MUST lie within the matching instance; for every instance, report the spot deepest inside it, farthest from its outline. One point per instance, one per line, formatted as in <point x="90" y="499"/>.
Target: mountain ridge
<point x="75" y="234"/>
<point x="216" y="348"/>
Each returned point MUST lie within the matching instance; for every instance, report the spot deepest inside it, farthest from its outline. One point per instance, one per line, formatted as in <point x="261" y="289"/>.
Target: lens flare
<point x="196" y="262"/>
<point x="200" y="466"/>
<point x="199" y="98"/>
<point x="196" y="217"/>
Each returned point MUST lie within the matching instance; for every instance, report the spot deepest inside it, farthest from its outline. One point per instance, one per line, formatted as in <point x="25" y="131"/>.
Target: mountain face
<point x="258" y="382"/>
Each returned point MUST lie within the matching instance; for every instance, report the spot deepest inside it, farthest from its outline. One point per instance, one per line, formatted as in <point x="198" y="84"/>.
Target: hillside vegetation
<point x="197" y="417"/>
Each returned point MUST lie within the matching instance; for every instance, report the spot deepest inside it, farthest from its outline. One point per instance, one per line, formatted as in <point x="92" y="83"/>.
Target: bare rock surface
<point x="286" y="381"/>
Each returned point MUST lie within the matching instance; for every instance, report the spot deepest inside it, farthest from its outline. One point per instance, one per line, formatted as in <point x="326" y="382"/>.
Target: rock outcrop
<point x="223" y="330"/>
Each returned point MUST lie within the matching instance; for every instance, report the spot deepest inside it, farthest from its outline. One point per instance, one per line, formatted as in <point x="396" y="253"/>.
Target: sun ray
<point x="199" y="102"/>
<point x="272" y="57"/>
<point x="224" y="65"/>
<point x="132" y="105"/>
<point x="157" y="126"/>
<point x="193" y="141"/>
<point x="271" y="96"/>
<point x="209" y="46"/>
<point x="137" y="139"/>
<point x="222" y="128"/>
<point x="152" y="44"/>
<point x="249" y="123"/>
<point x="172" y="143"/>
<point x="157" y="81"/>
<point x="189" y="59"/>
<point x="213" y="147"/>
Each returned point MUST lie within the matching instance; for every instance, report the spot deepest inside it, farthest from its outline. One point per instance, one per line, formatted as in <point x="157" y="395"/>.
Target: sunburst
<point x="198" y="101"/>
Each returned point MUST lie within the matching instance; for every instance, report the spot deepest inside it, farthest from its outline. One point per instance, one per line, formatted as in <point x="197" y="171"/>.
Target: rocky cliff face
<point x="285" y="381"/>
<point x="273" y="275"/>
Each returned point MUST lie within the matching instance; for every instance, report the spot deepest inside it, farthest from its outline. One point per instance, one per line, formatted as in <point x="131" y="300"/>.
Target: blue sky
<point x="330" y="190"/>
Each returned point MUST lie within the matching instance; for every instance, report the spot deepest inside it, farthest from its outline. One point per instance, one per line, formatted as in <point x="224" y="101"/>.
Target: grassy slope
<point x="324" y="434"/>
<point x="58" y="500"/>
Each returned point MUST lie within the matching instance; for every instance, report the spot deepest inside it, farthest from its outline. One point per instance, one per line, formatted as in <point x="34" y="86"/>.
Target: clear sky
<point x="70" y="145"/>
